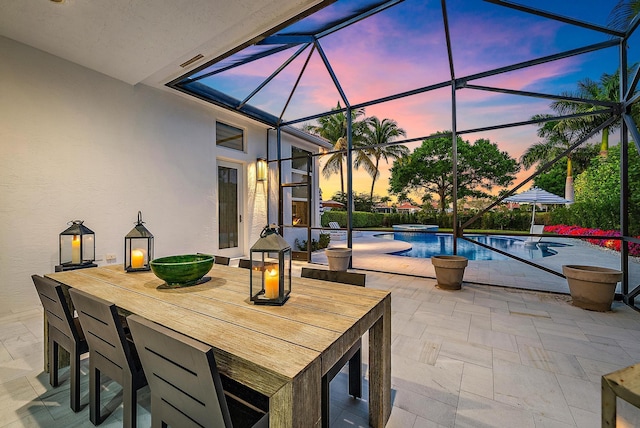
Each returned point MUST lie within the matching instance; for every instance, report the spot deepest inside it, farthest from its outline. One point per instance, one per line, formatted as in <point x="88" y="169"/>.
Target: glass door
<point x="229" y="209"/>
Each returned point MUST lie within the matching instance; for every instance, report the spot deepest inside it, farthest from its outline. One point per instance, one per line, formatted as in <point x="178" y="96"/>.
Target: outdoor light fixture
<point x="270" y="282"/>
<point x="77" y="247"/>
<point x="261" y="169"/>
<point x="138" y="248"/>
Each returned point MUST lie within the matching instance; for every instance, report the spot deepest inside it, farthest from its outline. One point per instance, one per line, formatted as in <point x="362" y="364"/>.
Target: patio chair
<point x="354" y="355"/>
<point x="221" y="260"/>
<point x="63" y="330"/>
<point x="186" y="388"/>
<point x="244" y="263"/>
<point x="336" y="233"/>
<point x="536" y="229"/>
<point x="110" y="352"/>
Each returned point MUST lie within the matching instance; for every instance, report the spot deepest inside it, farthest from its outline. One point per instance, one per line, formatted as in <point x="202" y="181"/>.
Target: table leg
<point x="608" y="404"/>
<point x="380" y="368"/>
<point x="297" y="404"/>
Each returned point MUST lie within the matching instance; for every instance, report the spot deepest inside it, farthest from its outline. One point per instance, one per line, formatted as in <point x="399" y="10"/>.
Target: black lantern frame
<point x="77" y="246"/>
<point x="270" y="281"/>
<point x="138" y="248"/>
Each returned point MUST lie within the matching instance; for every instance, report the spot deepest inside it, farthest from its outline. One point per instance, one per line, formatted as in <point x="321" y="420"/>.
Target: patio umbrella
<point x="534" y="196"/>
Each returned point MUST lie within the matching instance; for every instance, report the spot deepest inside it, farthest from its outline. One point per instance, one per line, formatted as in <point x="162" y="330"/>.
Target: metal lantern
<point x="138" y="248"/>
<point x="270" y="282"/>
<point x="77" y="245"/>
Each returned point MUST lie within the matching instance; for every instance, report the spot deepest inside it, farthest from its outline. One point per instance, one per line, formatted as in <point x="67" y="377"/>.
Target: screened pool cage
<point x="275" y="79"/>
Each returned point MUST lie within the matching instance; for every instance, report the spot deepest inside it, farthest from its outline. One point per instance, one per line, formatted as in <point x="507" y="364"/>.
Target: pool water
<point x="425" y="245"/>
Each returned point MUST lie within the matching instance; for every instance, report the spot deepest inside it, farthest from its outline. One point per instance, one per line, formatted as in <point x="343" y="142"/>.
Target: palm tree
<point x="334" y="129"/>
<point x="378" y="134"/>
<point x="558" y="136"/>
<point x="607" y="89"/>
<point x="623" y="13"/>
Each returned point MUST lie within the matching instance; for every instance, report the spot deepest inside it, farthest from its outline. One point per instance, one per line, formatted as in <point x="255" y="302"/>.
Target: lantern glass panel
<point x="88" y="248"/>
<point x="138" y="253"/>
<point x="77" y="245"/>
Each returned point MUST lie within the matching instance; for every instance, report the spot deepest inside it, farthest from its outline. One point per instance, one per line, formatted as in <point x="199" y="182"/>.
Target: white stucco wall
<point x="75" y="144"/>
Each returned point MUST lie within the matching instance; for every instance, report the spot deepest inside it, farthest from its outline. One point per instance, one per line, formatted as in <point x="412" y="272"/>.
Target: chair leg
<point x="74" y="375"/>
<point x="355" y="374"/>
<point x="129" y="403"/>
<point x="325" y="403"/>
<point x="94" y="394"/>
<point x="53" y="363"/>
<point x="156" y="414"/>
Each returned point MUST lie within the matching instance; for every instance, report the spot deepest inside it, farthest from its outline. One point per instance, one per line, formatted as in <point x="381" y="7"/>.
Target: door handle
<point x="240" y="218"/>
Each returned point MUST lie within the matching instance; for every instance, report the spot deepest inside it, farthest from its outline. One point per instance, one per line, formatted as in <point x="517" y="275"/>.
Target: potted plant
<point x="449" y="271"/>
<point x="338" y="258"/>
<point x="592" y="287"/>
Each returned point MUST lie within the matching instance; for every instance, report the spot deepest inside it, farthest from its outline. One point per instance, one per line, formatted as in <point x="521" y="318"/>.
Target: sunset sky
<point x="404" y="48"/>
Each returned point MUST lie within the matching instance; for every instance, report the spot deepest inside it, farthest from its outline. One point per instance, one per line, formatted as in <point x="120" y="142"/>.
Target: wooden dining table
<point x="279" y="351"/>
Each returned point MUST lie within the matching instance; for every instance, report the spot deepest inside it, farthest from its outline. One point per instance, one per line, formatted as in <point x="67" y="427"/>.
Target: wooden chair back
<point x="62" y="329"/>
<point x="221" y="260"/>
<point x="104" y="331"/>
<point x="56" y="307"/>
<point x="186" y="389"/>
<point x="342" y="277"/>
<point x="244" y="263"/>
<point x="111" y="353"/>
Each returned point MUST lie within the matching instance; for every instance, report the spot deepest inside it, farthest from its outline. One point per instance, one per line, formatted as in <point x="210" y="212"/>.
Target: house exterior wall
<point x="77" y="144"/>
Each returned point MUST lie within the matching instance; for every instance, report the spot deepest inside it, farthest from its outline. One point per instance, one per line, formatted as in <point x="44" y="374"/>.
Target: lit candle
<point x="271" y="284"/>
<point x="75" y="249"/>
<point x="137" y="259"/>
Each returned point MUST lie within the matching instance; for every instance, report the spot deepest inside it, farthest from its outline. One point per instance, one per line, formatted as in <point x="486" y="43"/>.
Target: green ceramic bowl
<point x="182" y="270"/>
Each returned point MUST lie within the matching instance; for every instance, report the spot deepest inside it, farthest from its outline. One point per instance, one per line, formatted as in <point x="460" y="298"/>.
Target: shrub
<point x="360" y="219"/>
<point x="323" y="242"/>
<point x="599" y="237"/>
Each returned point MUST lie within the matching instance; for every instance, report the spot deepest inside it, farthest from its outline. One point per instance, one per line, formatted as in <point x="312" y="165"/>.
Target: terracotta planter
<point x="449" y="271"/>
<point x="338" y="258"/>
<point x="592" y="287"/>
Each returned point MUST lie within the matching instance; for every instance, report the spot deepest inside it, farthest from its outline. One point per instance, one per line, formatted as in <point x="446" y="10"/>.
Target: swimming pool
<point x="425" y="245"/>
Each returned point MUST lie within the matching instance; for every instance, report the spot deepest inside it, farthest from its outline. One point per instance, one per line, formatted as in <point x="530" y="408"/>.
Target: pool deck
<point x="372" y="253"/>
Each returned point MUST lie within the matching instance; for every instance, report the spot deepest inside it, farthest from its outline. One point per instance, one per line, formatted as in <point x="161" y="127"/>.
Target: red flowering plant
<point x="599" y="237"/>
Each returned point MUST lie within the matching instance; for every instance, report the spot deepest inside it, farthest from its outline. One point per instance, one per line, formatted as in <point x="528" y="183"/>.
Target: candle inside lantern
<point x="137" y="259"/>
<point x="75" y="249"/>
<point x="271" y="283"/>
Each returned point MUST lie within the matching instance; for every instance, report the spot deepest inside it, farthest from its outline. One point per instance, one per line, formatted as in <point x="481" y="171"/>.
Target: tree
<point x="598" y="193"/>
<point x="361" y="201"/>
<point x="334" y="129"/>
<point x="622" y="14"/>
<point x="429" y="169"/>
<point x="378" y="134"/>
<point x="558" y="136"/>
<point x="554" y="179"/>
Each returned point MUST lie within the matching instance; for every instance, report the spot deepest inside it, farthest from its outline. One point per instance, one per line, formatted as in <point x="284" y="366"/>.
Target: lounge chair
<point x="336" y="234"/>
<point x="536" y="229"/>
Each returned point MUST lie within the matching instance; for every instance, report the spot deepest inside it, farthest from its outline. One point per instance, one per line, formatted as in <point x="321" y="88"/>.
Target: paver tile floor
<point x="480" y="357"/>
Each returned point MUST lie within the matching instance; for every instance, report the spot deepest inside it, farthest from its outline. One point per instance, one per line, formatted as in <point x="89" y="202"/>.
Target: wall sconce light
<point x="138" y="248"/>
<point x="77" y="247"/>
<point x="270" y="281"/>
<point x="261" y="169"/>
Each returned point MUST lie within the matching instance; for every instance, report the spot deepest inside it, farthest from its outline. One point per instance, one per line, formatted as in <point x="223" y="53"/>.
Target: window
<point x="300" y="158"/>
<point x="229" y="136"/>
<point x="300" y="205"/>
<point x="300" y="213"/>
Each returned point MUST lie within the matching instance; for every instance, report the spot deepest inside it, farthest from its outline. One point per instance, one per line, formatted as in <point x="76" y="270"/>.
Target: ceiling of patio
<point x="137" y="41"/>
<point x="373" y="53"/>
